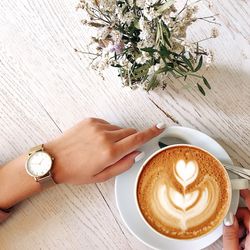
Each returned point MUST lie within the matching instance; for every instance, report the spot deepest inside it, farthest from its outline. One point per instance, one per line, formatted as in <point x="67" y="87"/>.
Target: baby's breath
<point x="146" y="41"/>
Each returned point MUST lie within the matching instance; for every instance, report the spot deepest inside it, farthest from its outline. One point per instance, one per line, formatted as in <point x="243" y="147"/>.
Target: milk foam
<point x="185" y="209"/>
<point x="183" y="193"/>
<point x="186" y="173"/>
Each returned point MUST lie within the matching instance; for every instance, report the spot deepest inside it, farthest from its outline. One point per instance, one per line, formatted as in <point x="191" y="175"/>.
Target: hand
<point x="236" y="236"/>
<point x="94" y="151"/>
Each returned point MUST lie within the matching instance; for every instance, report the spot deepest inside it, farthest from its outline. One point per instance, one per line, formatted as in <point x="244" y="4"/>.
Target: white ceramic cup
<point x="236" y="184"/>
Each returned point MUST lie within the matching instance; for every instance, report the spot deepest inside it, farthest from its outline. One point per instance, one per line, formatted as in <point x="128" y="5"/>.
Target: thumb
<point x="230" y="233"/>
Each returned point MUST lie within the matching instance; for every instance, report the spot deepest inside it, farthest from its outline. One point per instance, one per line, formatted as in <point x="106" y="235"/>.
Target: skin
<point x="231" y="234"/>
<point x="92" y="151"/>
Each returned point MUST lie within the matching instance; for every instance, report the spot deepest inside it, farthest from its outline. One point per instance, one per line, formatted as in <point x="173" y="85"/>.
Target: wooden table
<point x="46" y="87"/>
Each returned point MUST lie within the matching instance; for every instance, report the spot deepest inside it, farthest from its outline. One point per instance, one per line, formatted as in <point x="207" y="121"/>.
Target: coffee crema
<point x="183" y="192"/>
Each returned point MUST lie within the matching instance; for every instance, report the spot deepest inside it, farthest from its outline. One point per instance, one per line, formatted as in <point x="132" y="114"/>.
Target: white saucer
<point x="125" y="184"/>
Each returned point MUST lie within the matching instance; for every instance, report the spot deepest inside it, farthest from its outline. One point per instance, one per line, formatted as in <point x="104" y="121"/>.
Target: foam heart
<point x="186" y="173"/>
<point x="183" y="201"/>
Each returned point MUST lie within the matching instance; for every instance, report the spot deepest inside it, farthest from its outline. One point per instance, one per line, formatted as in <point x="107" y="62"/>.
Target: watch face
<point x="39" y="164"/>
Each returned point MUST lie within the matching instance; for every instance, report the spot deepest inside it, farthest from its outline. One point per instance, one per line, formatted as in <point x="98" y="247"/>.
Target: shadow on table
<point x="230" y="90"/>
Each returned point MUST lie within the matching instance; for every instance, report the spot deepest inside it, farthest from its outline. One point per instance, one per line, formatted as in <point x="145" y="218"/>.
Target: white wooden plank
<point x="43" y="81"/>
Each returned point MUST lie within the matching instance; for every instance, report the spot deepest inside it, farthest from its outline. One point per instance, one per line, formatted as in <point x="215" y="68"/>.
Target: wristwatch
<point x="39" y="164"/>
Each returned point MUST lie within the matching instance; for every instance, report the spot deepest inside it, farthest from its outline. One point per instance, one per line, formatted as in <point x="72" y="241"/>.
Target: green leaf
<point x="179" y="72"/>
<point x="206" y="82"/>
<point x="149" y="49"/>
<point x="125" y="10"/>
<point x="165" y="6"/>
<point x="164" y="52"/>
<point x="157" y="39"/>
<point x="182" y="69"/>
<point x="199" y="64"/>
<point x="140" y="71"/>
<point x="187" y="61"/>
<point x="191" y="56"/>
<point x="136" y="24"/>
<point x="116" y="65"/>
<point x="165" y="39"/>
<point x="153" y="83"/>
<point x="163" y="70"/>
<point x="201" y="89"/>
<point x="174" y="74"/>
<point x="166" y="29"/>
<point x="197" y="48"/>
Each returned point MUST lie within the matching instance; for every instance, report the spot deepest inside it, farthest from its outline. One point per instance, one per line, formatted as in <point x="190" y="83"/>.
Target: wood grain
<point x="46" y="87"/>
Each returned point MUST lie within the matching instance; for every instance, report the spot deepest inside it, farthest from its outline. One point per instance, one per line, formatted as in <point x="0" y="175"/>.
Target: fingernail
<point x="161" y="125"/>
<point x="139" y="156"/>
<point x="229" y="219"/>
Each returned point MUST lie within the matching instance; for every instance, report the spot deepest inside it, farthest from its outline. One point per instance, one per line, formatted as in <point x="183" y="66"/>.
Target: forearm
<point x="15" y="184"/>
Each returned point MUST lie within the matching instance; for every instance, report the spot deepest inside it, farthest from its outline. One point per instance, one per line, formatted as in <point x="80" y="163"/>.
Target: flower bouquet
<point x="146" y="41"/>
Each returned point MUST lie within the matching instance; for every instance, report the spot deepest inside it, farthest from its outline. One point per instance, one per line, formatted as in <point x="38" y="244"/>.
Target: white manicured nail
<point x="161" y="125"/>
<point x="229" y="219"/>
<point x="139" y="156"/>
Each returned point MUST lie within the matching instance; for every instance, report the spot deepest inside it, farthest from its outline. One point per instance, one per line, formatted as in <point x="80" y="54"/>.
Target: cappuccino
<point x="183" y="192"/>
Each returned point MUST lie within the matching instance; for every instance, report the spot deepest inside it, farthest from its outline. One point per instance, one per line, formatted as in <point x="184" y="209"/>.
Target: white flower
<point x="157" y="66"/>
<point x="128" y="17"/>
<point x="210" y="4"/>
<point x="107" y="5"/>
<point x="140" y="3"/>
<point x="118" y="47"/>
<point x="209" y="57"/>
<point x="116" y="36"/>
<point x="141" y="23"/>
<point x="154" y="68"/>
<point x="150" y="2"/>
<point x="143" y="58"/>
<point x="150" y="13"/>
<point x="146" y="43"/>
<point x="146" y="32"/>
<point x="214" y="32"/>
<point x="103" y="32"/>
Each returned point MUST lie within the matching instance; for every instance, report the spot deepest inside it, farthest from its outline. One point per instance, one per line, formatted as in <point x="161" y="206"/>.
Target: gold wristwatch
<point x="39" y="164"/>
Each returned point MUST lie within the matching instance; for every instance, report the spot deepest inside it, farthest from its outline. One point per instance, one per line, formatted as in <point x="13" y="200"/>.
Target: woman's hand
<point x="95" y="150"/>
<point x="92" y="151"/>
<point x="236" y="229"/>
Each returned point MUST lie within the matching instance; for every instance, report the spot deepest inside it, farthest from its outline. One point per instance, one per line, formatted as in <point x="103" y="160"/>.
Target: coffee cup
<point x="183" y="192"/>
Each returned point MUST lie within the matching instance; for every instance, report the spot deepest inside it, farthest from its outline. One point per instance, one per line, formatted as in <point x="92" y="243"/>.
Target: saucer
<point x="125" y="185"/>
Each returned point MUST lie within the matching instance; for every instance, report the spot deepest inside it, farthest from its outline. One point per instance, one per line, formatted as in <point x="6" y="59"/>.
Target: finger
<point x="243" y="215"/>
<point x="243" y="244"/>
<point x="134" y="141"/>
<point x="119" y="167"/>
<point x="96" y="120"/>
<point x="120" y="134"/>
<point x="247" y="243"/>
<point x="245" y="194"/>
<point x="242" y="230"/>
<point x="109" y="127"/>
<point x="230" y="234"/>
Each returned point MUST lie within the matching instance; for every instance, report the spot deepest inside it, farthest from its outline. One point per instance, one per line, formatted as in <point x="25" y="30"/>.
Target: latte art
<point x="186" y="206"/>
<point x="183" y="192"/>
<point x="186" y="173"/>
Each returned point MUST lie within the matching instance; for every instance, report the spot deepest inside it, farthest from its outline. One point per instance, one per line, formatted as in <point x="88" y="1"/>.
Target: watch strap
<point x="46" y="181"/>
<point x="36" y="149"/>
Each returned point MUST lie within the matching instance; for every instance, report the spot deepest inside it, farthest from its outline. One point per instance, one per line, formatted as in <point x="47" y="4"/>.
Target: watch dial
<point x="39" y="164"/>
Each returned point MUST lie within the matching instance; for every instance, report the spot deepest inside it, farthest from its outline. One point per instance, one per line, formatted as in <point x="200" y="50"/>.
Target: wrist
<point x="53" y="148"/>
<point x="16" y="184"/>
